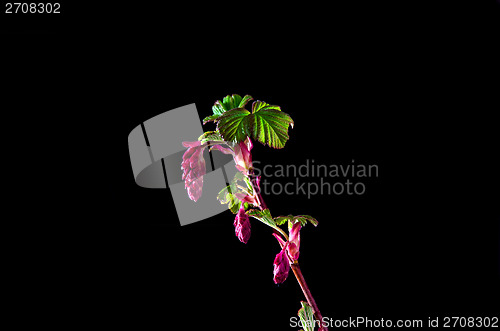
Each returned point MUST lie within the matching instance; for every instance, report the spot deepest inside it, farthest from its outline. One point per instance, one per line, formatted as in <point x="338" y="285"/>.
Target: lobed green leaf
<point x="244" y="101"/>
<point x="211" y="118"/>
<point x="210" y="136"/>
<point x="280" y="220"/>
<point x="224" y="195"/>
<point x="233" y="125"/>
<point x="303" y="219"/>
<point x="266" y="124"/>
<point x="306" y="316"/>
<point x="229" y="102"/>
<point x="264" y="216"/>
<point x="270" y="127"/>
<point x="261" y="105"/>
<point x="234" y="205"/>
<point x="228" y="194"/>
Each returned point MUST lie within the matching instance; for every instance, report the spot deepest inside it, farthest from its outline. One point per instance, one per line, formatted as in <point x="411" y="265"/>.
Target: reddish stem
<point x="256" y="189"/>
<point x="307" y="293"/>
<point x="295" y="264"/>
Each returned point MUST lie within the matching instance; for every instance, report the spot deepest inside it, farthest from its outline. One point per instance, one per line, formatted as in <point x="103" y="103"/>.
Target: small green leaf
<point x="235" y="101"/>
<point x="230" y="102"/>
<point x="244" y="101"/>
<point x="233" y="125"/>
<point x="228" y="194"/>
<point x="219" y="108"/>
<point x="237" y="177"/>
<point x="306" y="316"/>
<point x="234" y="205"/>
<point x="224" y="195"/>
<point x="264" y="216"/>
<point x="210" y="136"/>
<point x="211" y="118"/>
<point x="249" y="184"/>
<point x="303" y="219"/>
<point x="280" y="220"/>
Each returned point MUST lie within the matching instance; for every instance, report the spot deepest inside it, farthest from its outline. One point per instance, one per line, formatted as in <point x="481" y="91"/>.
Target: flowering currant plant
<point x="236" y="127"/>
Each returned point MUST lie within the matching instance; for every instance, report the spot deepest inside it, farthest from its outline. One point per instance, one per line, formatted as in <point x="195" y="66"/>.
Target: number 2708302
<point x="32" y="8"/>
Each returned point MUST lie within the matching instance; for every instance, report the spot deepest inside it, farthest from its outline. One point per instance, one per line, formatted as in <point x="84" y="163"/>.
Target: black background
<point x="411" y="89"/>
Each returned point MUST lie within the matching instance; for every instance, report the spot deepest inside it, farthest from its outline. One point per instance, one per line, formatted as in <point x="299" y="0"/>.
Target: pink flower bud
<point x="294" y="239"/>
<point x="242" y="225"/>
<point x="246" y="198"/>
<point x="293" y="243"/>
<point x="225" y="150"/>
<point x="243" y="156"/>
<point x="257" y="185"/>
<point x="280" y="240"/>
<point x="281" y="266"/>
<point x="193" y="166"/>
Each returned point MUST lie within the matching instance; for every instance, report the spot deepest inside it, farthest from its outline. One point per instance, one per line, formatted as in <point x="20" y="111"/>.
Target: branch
<point x="307" y="293"/>
<point x="294" y="264"/>
<point x="260" y="200"/>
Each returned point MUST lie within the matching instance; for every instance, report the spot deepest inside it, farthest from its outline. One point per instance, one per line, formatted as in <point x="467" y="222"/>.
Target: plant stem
<point x="307" y="293"/>
<point x="294" y="265"/>
<point x="283" y="233"/>
<point x="256" y="189"/>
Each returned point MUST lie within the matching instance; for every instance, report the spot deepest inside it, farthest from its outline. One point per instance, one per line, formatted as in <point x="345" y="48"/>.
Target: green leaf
<point x="249" y="184"/>
<point x="226" y="196"/>
<point x="244" y="101"/>
<point x="238" y="187"/>
<point x="234" y="205"/>
<point x="210" y="136"/>
<point x="269" y="127"/>
<point x="306" y="316"/>
<point x="230" y="102"/>
<point x="303" y="219"/>
<point x="266" y="124"/>
<point x="233" y="125"/>
<point x="264" y="216"/>
<point x="219" y="108"/>
<point x="280" y="220"/>
<point x="238" y="176"/>
<point x="261" y="105"/>
<point x="210" y="118"/>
